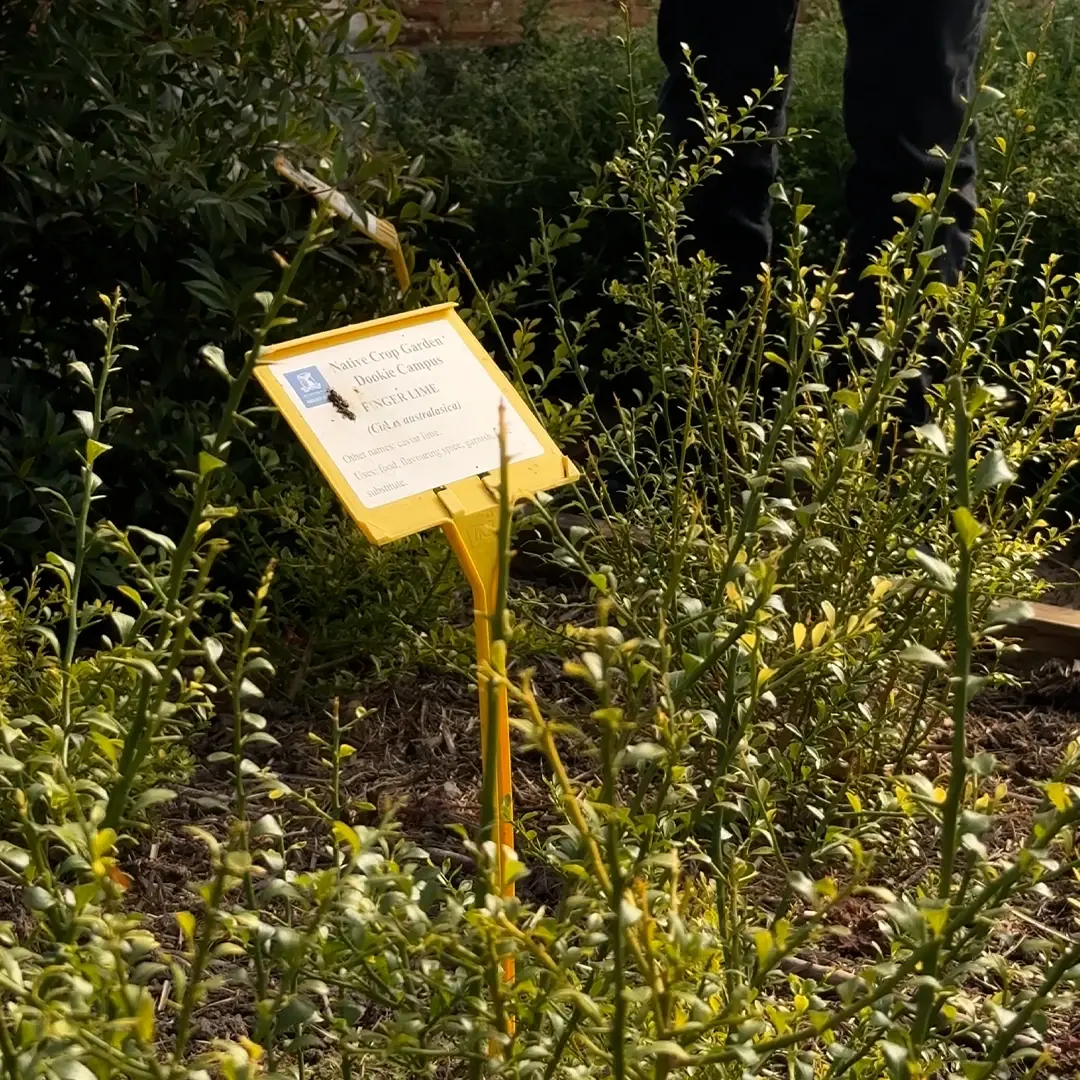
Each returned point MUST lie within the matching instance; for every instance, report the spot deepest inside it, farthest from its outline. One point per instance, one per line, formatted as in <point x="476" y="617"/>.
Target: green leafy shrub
<point x="1055" y="108"/>
<point x="513" y="130"/>
<point x="811" y="492"/>
<point x="346" y="608"/>
<point x="8" y="648"/>
<point x="137" y="144"/>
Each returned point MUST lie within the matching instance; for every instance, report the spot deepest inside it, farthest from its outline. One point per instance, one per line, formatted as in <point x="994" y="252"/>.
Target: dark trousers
<point x="910" y="65"/>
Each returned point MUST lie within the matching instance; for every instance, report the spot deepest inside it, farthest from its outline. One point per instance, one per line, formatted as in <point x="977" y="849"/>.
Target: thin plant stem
<point x="135" y="741"/>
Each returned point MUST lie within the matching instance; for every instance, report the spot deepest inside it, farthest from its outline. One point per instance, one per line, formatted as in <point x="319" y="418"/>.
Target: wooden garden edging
<point x="1050" y="631"/>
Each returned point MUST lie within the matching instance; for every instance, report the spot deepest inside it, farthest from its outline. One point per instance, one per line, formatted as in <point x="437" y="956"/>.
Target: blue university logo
<point x="311" y="388"/>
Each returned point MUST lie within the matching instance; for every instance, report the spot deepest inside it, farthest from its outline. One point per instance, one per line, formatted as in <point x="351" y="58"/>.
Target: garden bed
<point x="780" y="812"/>
<point x="418" y="755"/>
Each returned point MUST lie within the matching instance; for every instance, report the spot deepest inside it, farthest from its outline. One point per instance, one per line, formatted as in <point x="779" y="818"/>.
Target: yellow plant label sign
<point x="402" y="416"/>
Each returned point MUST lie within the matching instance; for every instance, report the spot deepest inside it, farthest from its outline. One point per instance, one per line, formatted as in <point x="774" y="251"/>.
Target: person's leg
<point x="738" y="45"/>
<point x="911" y="67"/>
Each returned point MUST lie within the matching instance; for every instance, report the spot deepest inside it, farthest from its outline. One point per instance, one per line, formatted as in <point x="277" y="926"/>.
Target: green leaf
<point x="346" y="834"/>
<point x="639" y="752"/>
<point x="582" y="1002"/>
<point x="95" y="449"/>
<point x="923" y="203"/>
<point x="1002" y="1017"/>
<point x="152" y="797"/>
<point x="132" y="595"/>
<point x="215" y="358"/>
<point x="123" y="622"/>
<point x="49" y="634"/>
<point x="940" y="571"/>
<point x="238" y="863"/>
<point x="13" y="856"/>
<point x="896" y="1061"/>
<point x="260" y="737"/>
<point x="37" y="899"/>
<point x="932" y="434"/>
<point x="991" y="472"/>
<point x="296" y="1011"/>
<point x="267" y="825"/>
<point x="875" y="348"/>
<point x="1011" y="614"/>
<point x="249" y="689"/>
<point x="670" y="1049"/>
<point x="62" y="564"/>
<point x="968" y="529"/>
<point x="987" y="97"/>
<point x="920" y="654"/>
<point x="143" y="663"/>
<point x="81" y="371"/>
<point x="23" y="526"/>
<point x="208" y="463"/>
<point x="71" y="1069"/>
<point x="9" y="764"/>
<point x="800" y="465"/>
<point x="158" y="539"/>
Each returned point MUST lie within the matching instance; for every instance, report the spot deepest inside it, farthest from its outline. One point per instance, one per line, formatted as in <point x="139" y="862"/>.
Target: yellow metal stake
<point x="474" y="539"/>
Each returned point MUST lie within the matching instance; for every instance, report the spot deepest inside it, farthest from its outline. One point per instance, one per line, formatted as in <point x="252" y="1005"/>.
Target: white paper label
<point x="404" y="411"/>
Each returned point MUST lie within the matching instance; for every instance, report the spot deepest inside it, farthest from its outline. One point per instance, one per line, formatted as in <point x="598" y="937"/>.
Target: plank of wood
<point x="1050" y="630"/>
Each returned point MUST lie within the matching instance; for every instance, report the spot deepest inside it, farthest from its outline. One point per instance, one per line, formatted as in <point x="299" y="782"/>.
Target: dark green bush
<point x="515" y="129"/>
<point x="818" y="165"/>
<point x="136" y="147"/>
<point x="1055" y="113"/>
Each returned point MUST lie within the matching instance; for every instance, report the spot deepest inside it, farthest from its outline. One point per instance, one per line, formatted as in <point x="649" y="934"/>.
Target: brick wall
<point x="496" y="22"/>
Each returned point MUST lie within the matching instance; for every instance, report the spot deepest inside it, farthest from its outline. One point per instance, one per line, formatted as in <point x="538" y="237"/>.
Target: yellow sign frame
<point x="467" y="511"/>
<point x="429" y="509"/>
